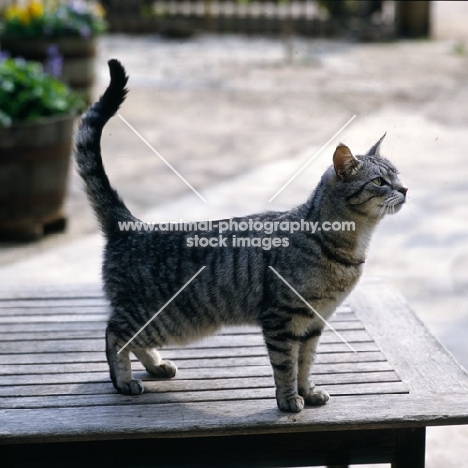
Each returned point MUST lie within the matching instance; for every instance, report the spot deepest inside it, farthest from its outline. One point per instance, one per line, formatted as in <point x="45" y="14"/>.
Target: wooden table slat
<point x="232" y="340"/>
<point x="33" y="327"/>
<point x="26" y="347"/>
<point x="54" y="372"/>
<point x="192" y="381"/>
<point x="188" y="363"/>
<point x="14" y="379"/>
<point x="153" y="396"/>
<point x="52" y="306"/>
<point x="221" y="418"/>
<point x="97" y="315"/>
<point x="9" y="361"/>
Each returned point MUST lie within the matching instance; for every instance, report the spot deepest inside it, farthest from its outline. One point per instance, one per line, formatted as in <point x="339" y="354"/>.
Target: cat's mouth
<point x="392" y="208"/>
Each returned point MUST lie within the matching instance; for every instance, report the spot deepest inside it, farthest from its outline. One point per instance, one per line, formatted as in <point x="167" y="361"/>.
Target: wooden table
<point x="58" y="407"/>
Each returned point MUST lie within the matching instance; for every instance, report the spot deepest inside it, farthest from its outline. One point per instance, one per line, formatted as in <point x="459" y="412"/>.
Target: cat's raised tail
<point x="105" y="201"/>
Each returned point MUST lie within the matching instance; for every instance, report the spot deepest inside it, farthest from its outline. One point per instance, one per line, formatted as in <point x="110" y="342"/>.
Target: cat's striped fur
<point x="143" y="270"/>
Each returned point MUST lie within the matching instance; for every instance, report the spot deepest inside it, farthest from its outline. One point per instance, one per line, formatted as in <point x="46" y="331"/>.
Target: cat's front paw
<point x="316" y="396"/>
<point x="132" y="387"/>
<point x="292" y="404"/>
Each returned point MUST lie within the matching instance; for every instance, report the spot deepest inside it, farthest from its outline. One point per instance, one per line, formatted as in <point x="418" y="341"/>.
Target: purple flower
<point x="4" y="54"/>
<point x="78" y="6"/>
<point x="85" y="31"/>
<point x="54" y="62"/>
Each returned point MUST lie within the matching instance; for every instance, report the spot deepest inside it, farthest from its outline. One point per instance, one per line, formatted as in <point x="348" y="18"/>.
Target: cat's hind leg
<point x="120" y="367"/>
<point x="153" y="363"/>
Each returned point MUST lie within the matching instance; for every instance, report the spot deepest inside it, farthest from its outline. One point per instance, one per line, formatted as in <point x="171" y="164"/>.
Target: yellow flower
<point x="35" y="9"/>
<point x="11" y="12"/>
<point x="98" y="10"/>
<point x="15" y="12"/>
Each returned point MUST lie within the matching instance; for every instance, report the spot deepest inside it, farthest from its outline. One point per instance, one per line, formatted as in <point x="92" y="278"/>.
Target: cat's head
<point x="368" y="183"/>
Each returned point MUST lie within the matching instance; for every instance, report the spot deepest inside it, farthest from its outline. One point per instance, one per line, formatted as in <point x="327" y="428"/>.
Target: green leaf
<point x="26" y="93"/>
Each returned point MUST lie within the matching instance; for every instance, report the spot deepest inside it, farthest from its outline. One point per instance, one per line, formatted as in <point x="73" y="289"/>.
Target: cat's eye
<point x="379" y="181"/>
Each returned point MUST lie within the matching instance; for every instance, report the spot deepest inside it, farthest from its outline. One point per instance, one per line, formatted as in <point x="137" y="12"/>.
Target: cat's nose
<point x="403" y="190"/>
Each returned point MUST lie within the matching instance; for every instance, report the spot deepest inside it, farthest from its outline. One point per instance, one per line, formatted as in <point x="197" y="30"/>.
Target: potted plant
<point x="36" y="128"/>
<point x="66" y="29"/>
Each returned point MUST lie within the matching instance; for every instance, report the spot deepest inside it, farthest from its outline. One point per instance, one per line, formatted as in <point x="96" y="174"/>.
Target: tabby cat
<point x="142" y="270"/>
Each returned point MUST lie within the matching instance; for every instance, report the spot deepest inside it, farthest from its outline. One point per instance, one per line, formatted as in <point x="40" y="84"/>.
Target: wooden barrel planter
<point x="78" y="58"/>
<point x="34" y="162"/>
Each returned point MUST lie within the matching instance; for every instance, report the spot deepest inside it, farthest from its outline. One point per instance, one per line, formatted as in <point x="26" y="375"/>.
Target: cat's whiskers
<point x="389" y="212"/>
<point x="394" y="219"/>
<point x="417" y="210"/>
<point x="382" y="212"/>
<point x="418" y="200"/>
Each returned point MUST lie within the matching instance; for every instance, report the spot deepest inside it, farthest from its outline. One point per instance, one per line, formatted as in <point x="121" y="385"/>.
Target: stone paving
<point x="239" y="116"/>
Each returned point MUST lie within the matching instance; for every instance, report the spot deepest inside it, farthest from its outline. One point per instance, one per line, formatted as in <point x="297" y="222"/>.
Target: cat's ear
<point x="344" y="162"/>
<point x="375" y="150"/>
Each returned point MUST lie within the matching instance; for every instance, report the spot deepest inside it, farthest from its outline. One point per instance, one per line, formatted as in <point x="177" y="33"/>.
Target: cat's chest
<point x="327" y="292"/>
<point x="334" y="282"/>
<point x="320" y="311"/>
